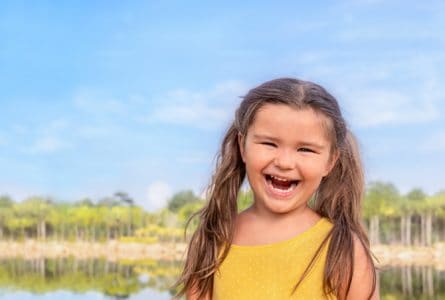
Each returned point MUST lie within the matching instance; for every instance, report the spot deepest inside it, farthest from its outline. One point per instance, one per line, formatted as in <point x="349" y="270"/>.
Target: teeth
<point x="291" y="187"/>
<point x="279" y="179"/>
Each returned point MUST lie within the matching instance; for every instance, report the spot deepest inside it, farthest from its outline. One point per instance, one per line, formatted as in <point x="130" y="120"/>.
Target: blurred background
<point x="112" y="113"/>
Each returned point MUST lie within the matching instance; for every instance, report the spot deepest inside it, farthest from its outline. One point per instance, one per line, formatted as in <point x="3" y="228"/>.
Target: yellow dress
<point x="271" y="271"/>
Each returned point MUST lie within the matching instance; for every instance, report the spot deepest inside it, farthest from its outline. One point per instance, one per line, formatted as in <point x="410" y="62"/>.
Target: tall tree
<point x="180" y="199"/>
<point x="430" y="209"/>
<point x="406" y="211"/>
<point x="379" y="200"/>
<point x="125" y="199"/>
<point x="38" y="210"/>
<point x="417" y="197"/>
<point x="6" y="204"/>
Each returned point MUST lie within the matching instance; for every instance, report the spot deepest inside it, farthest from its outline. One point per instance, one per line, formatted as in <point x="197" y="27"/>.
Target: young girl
<point x="302" y="237"/>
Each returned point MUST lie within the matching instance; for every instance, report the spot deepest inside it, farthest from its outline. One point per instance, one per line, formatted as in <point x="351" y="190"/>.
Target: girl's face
<point x="286" y="152"/>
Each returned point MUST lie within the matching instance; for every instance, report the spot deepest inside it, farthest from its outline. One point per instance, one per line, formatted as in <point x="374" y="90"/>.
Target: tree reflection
<point x="115" y="279"/>
<point x="412" y="282"/>
<point x="119" y="280"/>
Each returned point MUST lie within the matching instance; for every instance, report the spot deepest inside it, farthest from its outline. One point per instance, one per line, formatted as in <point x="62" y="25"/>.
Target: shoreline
<point x="393" y="255"/>
<point x="111" y="251"/>
<point x="397" y="255"/>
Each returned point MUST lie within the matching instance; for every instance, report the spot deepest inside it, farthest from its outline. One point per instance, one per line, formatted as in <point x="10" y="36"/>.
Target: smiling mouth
<point x="281" y="184"/>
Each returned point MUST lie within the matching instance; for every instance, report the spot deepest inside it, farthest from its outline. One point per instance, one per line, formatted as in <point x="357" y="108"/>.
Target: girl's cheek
<point x="310" y="166"/>
<point x="262" y="152"/>
<point x="258" y="157"/>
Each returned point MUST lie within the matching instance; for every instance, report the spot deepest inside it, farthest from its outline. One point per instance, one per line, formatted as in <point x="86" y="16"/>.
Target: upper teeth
<point x="279" y="179"/>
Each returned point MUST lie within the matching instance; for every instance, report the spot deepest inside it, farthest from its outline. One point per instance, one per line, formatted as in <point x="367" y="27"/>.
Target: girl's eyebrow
<point x="313" y="145"/>
<point x="302" y="143"/>
<point x="265" y="137"/>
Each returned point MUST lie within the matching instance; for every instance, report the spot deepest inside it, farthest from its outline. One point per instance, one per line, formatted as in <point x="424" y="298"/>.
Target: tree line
<point x="414" y="218"/>
<point x="43" y="217"/>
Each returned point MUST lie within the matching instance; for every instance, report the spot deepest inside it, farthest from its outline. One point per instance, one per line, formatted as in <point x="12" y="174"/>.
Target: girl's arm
<point x="361" y="284"/>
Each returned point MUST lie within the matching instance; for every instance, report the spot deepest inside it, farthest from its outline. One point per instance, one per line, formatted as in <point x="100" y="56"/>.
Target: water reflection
<point x="116" y="279"/>
<point x="128" y="279"/>
<point x="412" y="282"/>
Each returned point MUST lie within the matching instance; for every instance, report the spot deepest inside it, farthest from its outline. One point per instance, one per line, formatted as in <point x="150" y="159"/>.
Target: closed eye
<point x="306" y="150"/>
<point x="268" y="144"/>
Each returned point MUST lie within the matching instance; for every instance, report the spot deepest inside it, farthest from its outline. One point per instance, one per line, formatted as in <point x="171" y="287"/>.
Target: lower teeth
<point x="284" y="190"/>
<point x="291" y="187"/>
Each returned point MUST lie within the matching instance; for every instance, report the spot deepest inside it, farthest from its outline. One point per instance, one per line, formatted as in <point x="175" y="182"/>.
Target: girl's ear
<point x="241" y="145"/>
<point x="331" y="163"/>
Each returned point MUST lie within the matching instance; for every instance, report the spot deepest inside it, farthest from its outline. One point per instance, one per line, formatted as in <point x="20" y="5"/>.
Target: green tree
<point x="108" y="202"/>
<point x="6" y="204"/>
<point x="409" y="205"/>
<point x="186" y="212"/>
<point x="19" y="221"/>
<point x="37" y="210"/>
<point x="180" y="199"/>
<point x="121" y="218"/>
<point x="439" y="211"/>
<point x="379" y="201"/>
<point x="84" y="202"/>
<point x="6" y="201"/>
<point x="427" y="207"/>
<point x="125" y="199"/>
<point x="58" y="219"/>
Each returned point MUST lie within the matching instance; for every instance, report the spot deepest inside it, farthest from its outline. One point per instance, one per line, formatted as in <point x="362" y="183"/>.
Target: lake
<point x="72" y="279"/>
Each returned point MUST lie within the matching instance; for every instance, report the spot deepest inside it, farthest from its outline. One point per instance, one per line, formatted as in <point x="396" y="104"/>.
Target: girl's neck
<point x="254" y="227"/>
<point x="297" y="217"/>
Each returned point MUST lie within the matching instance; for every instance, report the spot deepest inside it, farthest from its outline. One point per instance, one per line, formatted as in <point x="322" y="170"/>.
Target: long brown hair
<point x="338" y="197"/>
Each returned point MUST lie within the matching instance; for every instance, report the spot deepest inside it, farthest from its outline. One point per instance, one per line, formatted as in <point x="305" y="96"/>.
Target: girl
<point x="302" y="237"/>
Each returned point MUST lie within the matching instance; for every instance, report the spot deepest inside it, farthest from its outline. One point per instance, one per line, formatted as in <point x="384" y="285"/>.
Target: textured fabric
<point x="271" y="271"/>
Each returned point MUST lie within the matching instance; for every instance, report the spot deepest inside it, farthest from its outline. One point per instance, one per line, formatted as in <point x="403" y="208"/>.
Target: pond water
<point x="71" y="279"/>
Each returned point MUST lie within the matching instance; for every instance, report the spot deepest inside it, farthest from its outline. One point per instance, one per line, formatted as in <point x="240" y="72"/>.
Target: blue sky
<point x="100" y="96"/>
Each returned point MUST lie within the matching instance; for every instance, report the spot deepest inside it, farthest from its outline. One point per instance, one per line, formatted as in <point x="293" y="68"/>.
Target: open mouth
<point x="281" y="184"/>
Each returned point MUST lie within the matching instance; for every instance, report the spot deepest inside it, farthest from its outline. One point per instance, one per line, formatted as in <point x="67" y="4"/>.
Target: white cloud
<point x="47" y="145"/>
<point x="44" y="138"/>
<point x="158" y="192"/>
<point x="47" y="138"/>
<point x="376" y="107"/>
<point x="368" y="100"/>
<point x="200" y="115"/>
<point x="434" y="143"/>
<point x="97" y="102"/>
<point x="94" y="132"/>
<point x="358" y="27"/>
<point x="98" y="114"/>
<point x="202" y="109"/>
<point x="57" y="125"/>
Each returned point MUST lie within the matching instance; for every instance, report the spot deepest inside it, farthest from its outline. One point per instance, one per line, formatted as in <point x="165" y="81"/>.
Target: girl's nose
<point x="285" y="159"/>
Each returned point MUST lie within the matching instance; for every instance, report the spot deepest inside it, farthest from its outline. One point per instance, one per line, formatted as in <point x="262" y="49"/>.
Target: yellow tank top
<point x="271" y="271"/>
